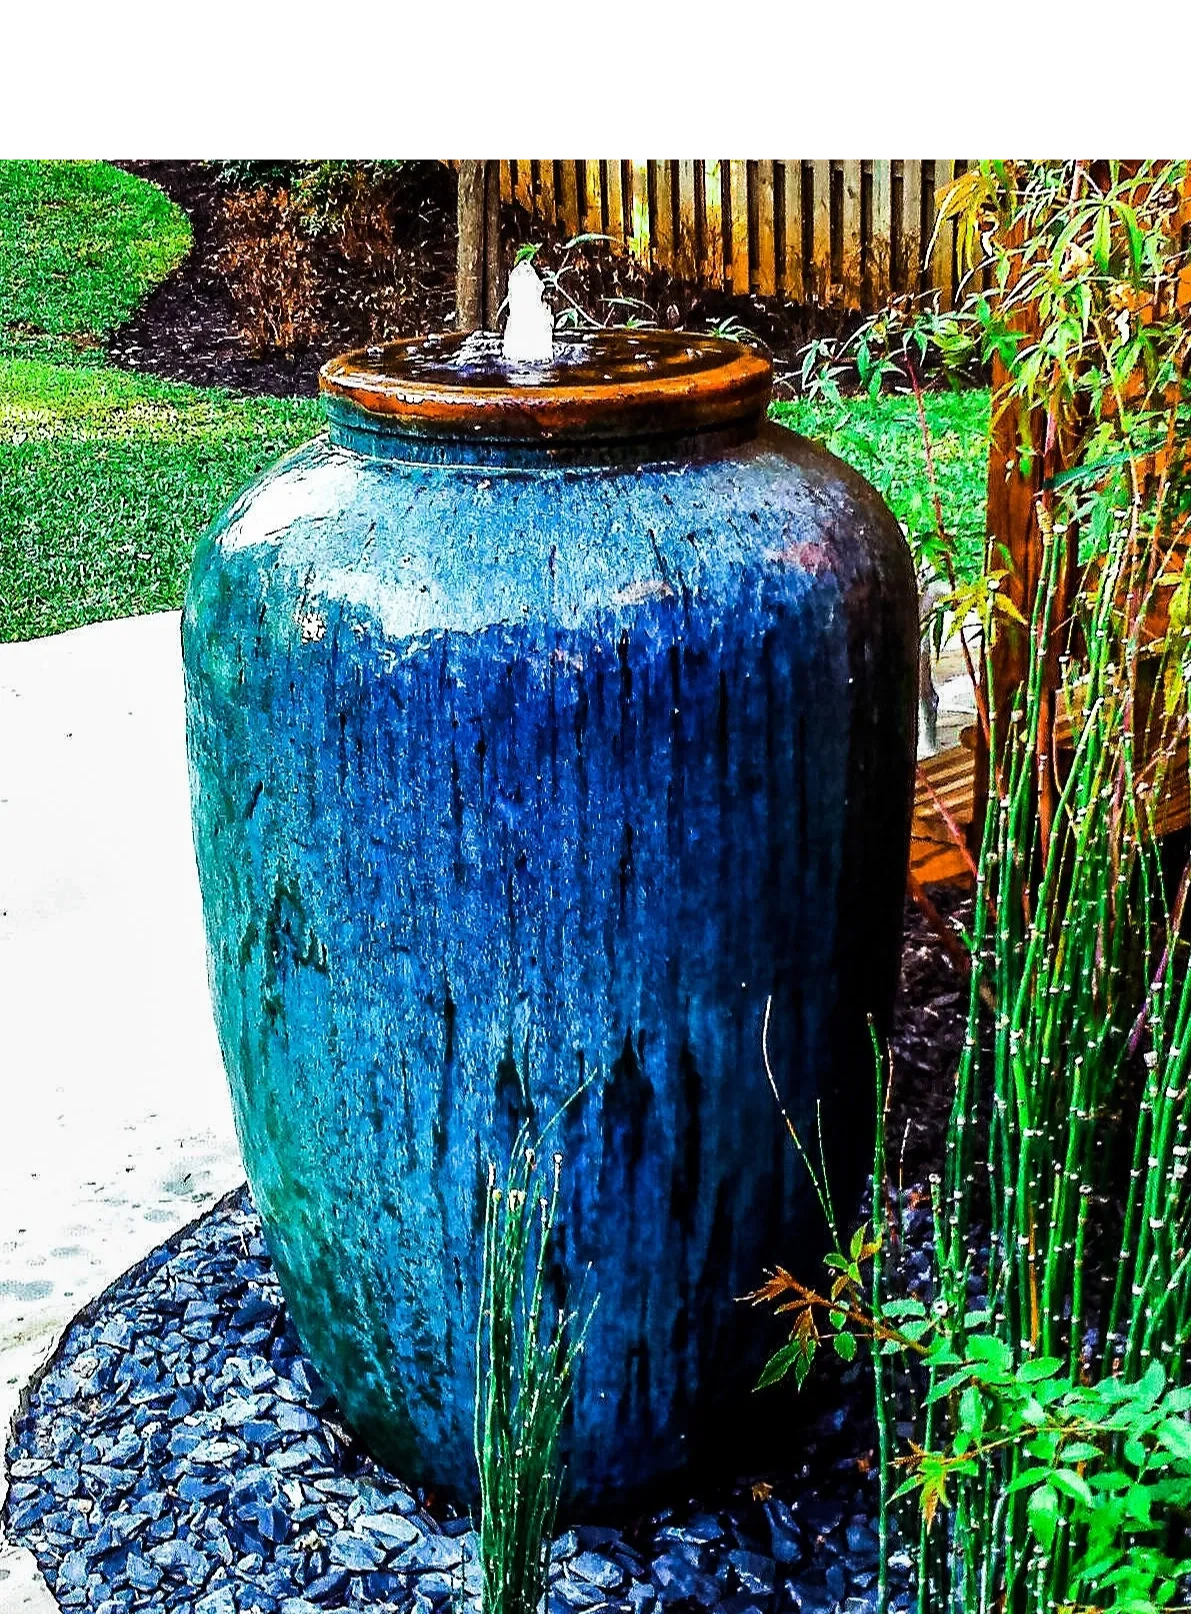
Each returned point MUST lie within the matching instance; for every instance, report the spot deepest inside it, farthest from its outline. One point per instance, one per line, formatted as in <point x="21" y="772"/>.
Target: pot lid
<point x="600" y="386"/>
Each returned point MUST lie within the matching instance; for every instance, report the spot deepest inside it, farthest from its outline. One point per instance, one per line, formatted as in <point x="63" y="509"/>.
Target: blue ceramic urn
<point x="544" y="726"/>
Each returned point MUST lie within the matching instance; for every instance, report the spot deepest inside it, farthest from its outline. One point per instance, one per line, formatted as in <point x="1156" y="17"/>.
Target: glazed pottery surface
<point x="528" y="766"/>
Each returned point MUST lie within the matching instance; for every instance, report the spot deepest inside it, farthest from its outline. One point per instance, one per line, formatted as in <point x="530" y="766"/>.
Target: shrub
<point x="288" y="247"/>
<point x="268" y="261"/>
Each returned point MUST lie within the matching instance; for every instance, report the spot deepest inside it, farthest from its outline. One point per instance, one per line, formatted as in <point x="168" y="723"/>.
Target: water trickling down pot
<point x="545" y="720"/>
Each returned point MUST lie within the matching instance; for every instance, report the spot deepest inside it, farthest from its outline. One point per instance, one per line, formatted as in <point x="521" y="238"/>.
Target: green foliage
<point x="324" y="193"/>
<point x="1051" y="1457"/>
<point x="247" y="173"/>
<point x="1102" y="1471"/>
<point x="526" y="1353"/>
<point x="731" y="329"/>
<point x="322" y="184"/>
<point x="1103" y="1468"/>
<point x="107" y="479"/>
<point x="81" y="244"/>
<point x="880" y="436"/>
<point x="1097" y="1475"/>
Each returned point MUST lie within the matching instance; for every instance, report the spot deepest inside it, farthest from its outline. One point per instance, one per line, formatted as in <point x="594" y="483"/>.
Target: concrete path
<point x="116" y="1122"/>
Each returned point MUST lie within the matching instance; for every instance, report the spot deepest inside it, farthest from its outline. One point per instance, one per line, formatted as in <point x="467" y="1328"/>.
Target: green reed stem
<point x="877" y="1279"/>
<point x="525" y="1364"/>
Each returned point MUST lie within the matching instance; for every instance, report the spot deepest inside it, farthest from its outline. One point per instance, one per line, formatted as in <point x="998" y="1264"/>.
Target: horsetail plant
<point x="1048" y="1364"/>
<point x="527" y="1349"/>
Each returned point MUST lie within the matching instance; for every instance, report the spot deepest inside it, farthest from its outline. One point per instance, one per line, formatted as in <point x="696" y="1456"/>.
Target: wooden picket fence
<point x="847" y="231"/>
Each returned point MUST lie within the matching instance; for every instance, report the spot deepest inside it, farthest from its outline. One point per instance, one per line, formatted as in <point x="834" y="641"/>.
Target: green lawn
<point x="106" y="478"/>
<point x="81" y="244"/>
<point x="883" y="441"/>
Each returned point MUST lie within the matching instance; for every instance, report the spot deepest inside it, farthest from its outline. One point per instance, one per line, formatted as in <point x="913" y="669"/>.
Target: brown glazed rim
<point x="604" y="386"/>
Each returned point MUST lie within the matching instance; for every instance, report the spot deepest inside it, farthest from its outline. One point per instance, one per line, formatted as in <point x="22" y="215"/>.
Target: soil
<point x="261" y="302"/>
<point x="929" y="1024"/>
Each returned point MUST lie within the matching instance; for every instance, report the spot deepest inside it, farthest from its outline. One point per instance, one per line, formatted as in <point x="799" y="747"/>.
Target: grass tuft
<point x="526" y="1353"/>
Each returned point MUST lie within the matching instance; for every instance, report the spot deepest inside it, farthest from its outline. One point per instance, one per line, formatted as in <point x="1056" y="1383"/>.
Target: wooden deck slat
<point x="639" y="240"/>
<point x="593" y="197"/>
<point x="821" y="234"/>
<point x="568" y="195"/>
<point x="738" y="221"/>
<point x="935" y="858"/>
<point x="615" y="197"/>
<point x="792" y="235"/>
<point x="852" y="244"/>
<point x="687" y="257"/>
<point x="761" y="227"/>
<point x="712" y="261"/>
<point x="879" y="257"/>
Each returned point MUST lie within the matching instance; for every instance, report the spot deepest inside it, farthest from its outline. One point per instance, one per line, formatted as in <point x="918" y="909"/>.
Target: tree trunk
<point x="1013" y="546"/>
<point x="469" y="274"/>
<point x="494" y="264"/>
<point x="480" y="274"/>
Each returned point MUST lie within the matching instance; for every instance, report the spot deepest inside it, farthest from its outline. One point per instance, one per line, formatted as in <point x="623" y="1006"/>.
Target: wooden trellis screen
<point x="836" y="230"/>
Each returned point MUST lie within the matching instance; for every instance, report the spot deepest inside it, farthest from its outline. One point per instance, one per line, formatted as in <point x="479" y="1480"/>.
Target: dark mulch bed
<point x="259" y="305"/>
<point x="929" y="1023"/>
<point x="197" y="326"/>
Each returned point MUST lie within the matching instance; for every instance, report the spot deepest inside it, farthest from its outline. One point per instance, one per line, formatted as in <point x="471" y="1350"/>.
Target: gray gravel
<point x="181" y="1452"/>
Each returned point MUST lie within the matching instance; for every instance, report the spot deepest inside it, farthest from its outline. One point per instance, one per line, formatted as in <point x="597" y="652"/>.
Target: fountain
<point x="549" y="719"/>
<point x="529" y="333"/>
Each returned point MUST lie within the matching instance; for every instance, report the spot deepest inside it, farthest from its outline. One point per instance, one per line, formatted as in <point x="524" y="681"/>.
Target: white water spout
<point x="529" y="332"/>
